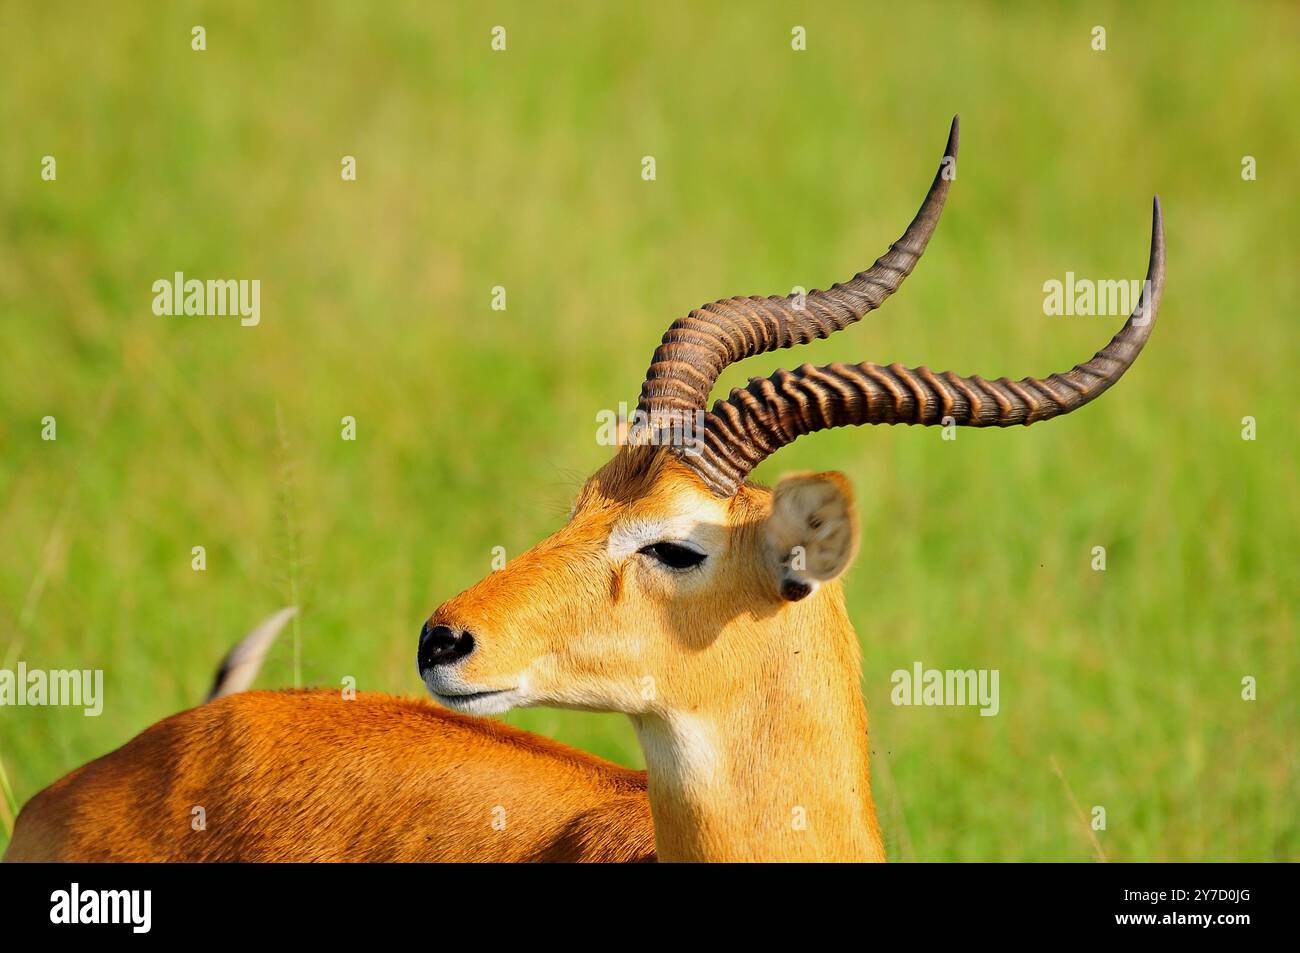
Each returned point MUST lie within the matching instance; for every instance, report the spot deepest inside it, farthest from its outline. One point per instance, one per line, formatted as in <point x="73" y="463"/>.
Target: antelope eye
<point x="674" y="555"/>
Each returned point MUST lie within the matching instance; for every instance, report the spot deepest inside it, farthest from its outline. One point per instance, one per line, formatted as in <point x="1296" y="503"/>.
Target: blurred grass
<point x="475" y="427"/>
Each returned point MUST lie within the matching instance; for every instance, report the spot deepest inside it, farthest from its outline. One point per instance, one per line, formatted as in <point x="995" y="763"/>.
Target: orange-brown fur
<point x="309" y="776"/>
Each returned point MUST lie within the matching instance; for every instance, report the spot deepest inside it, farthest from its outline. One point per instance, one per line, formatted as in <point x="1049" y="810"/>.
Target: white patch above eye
<point x="632" y="535"/>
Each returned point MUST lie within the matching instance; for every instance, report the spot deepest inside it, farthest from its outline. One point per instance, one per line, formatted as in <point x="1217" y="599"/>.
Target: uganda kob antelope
<point x="705" y="607"/>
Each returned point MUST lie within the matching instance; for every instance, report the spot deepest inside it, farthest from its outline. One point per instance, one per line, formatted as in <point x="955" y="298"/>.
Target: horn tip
<point x="1157" y="233"/>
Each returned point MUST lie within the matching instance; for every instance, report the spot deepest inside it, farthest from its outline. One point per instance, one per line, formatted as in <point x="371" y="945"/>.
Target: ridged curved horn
<point x="696" y="348"/>
<point x="771" y="412"/>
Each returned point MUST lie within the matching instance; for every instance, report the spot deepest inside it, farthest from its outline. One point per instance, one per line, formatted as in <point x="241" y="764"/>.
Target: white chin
<point x="479" y="703"/>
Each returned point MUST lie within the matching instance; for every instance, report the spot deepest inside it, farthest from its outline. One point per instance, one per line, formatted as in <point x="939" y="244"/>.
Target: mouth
<point x="478" y="703"/>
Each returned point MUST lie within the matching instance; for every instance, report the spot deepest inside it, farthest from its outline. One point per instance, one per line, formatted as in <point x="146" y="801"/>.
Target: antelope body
<point x="705" y="607"/>
<point x="307" y="775"/>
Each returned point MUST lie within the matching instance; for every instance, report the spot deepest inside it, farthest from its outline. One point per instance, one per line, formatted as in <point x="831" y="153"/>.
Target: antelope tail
<point x="240" y="666"/>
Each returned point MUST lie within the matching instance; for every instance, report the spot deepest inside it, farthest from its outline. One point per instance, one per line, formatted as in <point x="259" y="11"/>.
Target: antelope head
<point x="707" y="607"/>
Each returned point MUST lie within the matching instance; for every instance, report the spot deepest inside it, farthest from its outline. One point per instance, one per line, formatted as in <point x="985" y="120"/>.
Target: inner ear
<point x="811" y="534"/>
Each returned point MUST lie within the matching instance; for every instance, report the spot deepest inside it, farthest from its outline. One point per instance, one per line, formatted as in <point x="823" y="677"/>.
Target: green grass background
<point x="476" y="427"/>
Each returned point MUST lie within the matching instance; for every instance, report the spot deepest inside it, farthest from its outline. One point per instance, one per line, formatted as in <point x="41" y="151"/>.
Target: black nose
<point x="442" y="645"/>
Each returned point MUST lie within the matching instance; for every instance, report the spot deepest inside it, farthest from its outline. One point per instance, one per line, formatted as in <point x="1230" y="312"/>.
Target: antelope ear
<point x="812" y="532"/>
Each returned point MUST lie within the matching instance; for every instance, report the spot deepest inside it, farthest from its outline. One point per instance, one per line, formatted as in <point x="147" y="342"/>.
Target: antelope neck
<point x="772" y="771"/>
